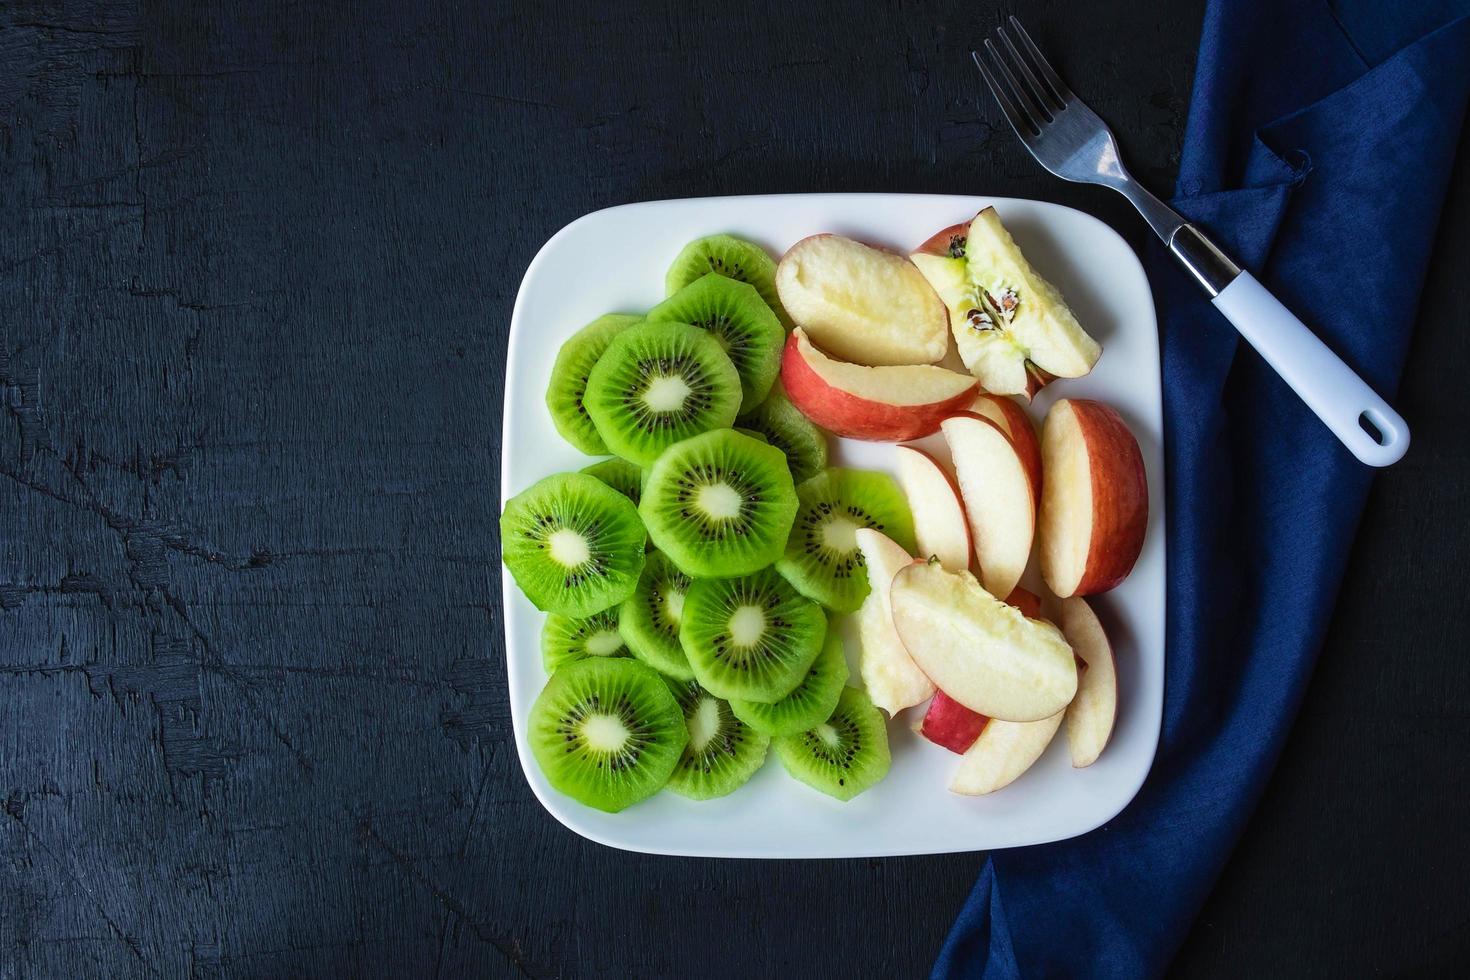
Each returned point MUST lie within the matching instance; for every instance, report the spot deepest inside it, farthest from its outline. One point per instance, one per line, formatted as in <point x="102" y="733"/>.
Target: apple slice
<point x="981" y="652"/>
<point x="1004" y="750"/>
<point x="1000" y="495"/>
<point x="1012" y="328"/>
<point x="862" y="303"/>
<point x="950" y="724"/>
<point x="940" y="528"/>
<point x="887" y="404"/>
<point x="1016" y="424"/>
<point x="893" y="680"/>
<point x="1094" y="502"/>
<point x="1092" y="712"/>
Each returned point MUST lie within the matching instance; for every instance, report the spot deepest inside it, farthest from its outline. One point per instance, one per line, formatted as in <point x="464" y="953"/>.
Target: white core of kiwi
<point x="568" y="548"/>
<point x="666" y="393"/>
<point x="605" y="733"/>
<point x="603" y="643"/>
<point x="674" y="607"/>
<point x="721" y="502"/>
<point x="840" y="535"/>
<point x="828" y="734"/>
<point x="747" y="626"/>
<point x="704" y="724"/>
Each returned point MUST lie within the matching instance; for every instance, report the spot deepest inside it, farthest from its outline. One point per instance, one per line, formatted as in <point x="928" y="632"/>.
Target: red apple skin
<point x="1119" y="497"/>
<point x="1027" y="601"/>
<point x="942" y="242"/>
<point x="950" y="724"/>
<point x="846" y="414"/>
<point x="1018" y="428"/>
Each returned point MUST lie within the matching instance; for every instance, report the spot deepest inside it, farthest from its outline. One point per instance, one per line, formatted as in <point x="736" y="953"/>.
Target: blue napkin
<point x="1319" y="145"/>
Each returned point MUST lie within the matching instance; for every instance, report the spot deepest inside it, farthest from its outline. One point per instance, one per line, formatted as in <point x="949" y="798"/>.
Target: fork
<point x="1067" y="138"/>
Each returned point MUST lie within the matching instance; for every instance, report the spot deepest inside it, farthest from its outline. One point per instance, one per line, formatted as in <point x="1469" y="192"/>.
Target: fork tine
<point x="1043" y="95"/>
<point x="1059" y="88"/>
<point x="1022" y="124"/>
<point x="1039" y="115"/>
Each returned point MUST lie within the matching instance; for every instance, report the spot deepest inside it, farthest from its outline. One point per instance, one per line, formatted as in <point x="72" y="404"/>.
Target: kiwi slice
<point x="658" y="383"/>
<point x="812" y="701"/>
<point x="607" y="732"/>
<point x="569" y="380"/>
<point x="619" y="474"/>
<point x="733" y="258"/>
<point x="752" y="637"/>
<point x="723" y="751"/>
<point x="650" y="617"/>
<point x="740" y="320"/>
<point x="758" y="436"/>
<point x="720" y="504"/>
<point x="783" y="426"/>
<point x="822" y="558"/>
<point x="565" y="640"/>
<point x="843" y="755"/>
<point x="573" y="543"/>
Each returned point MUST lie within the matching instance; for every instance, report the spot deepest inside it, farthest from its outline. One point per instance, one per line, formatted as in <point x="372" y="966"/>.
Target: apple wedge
<point x="862" y="303"/>
<point x="940" y="528"/>
<point x="1012" y="328"/>
<point x="1016" y="424"/>
<point x="951" y="725"/>
<point x="1003" y="751"/>
<point x="1094" y="501"/>
<point x="1000" y="495"/>
<point x="884" y="404"/>
<point x="893" y="680"/>
<point x="1092" y="712"/>
<point x="981" y="652"/>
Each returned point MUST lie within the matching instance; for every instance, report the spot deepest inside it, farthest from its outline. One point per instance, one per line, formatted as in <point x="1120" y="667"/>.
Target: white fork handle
<point x="1340" y="398"/>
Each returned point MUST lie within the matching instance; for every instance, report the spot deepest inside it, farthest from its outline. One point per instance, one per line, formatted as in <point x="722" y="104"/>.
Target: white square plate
<point x="614" y="260"/>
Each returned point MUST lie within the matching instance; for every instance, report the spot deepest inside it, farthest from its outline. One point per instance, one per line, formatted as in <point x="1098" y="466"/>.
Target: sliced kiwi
<point x="740" y="320"/>
<point x="658" y="383"/>
<point x="649" y="619"/>
<point x="758" y="436"/>
<point x="812" y="701"/>
<point x="573" y="544"/>
<point x="733" y="258"/>
<point x="783" y="426"/>
<point x="719" y="504"/>
<point x="569" y="380"/>
<point x="565" y="640"/>
<point x="607" y="732"/>
<point x="619" y="474"/>
<point x="843" y="755"/>
<point x="822" y="558"/>
<point x="723" y="752"/>
<point x="752" y="637"/>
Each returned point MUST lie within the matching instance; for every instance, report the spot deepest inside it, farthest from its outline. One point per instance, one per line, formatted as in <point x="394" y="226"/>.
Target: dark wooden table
<point x="256" y="268"/>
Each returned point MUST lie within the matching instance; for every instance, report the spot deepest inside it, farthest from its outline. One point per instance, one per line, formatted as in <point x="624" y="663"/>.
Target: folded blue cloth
<point x="1320" y="141"/>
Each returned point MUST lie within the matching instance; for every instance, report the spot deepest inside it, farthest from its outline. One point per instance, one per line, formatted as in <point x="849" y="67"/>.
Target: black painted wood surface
<point x="256" y="266"/>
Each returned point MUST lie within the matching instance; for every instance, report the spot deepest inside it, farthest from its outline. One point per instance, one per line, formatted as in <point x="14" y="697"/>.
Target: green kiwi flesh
<point x="573" y="544"/>
<point x="565" y="640"/>
<point x="731" y="257"/>
<point x="657" y="384"/>
<point x="784" y="426"/>
<point x="720" y="503"/>
<point x="844" y="755"/>
<point x="619" y="474"/>
<point x="649" y="619"/>
<point x="607" y="732"/>
<point x="734" y="313"/>
<point x="723" y="752"/>
<point x="569" y="380"/>
<point x="752" y="637"/>
<point x="810" y="704"/>
<point x="822" y="558"/>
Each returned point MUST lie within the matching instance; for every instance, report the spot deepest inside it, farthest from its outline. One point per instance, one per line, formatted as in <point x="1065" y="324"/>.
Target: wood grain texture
<point x="257" y="263"/>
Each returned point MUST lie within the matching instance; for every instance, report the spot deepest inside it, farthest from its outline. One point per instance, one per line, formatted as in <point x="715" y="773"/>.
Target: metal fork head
<point x="1061" y="132"/>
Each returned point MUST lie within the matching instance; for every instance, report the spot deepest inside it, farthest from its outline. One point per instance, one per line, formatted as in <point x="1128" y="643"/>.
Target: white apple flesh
<point x="893" y="680"/>
<point x="940" y="528"/>
<point x="1092" y="713"/>
<point x="980" y="651"/>
<point x="1000" y="498"/>
<point x="861" y="303"/>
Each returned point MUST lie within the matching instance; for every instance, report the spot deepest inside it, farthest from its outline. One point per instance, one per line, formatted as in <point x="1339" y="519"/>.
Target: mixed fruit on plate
<point x="695" y="580"/>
